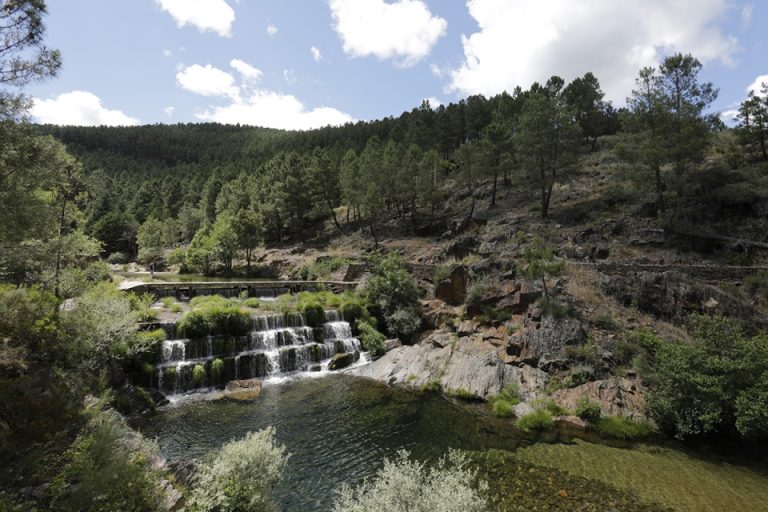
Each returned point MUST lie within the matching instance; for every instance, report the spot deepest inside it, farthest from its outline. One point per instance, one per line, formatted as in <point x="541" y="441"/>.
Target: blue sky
<point x="304" y="63"/>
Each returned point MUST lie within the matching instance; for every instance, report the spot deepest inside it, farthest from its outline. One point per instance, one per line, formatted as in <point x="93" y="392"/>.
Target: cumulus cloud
<point x="316" y="55"/>
<point x="246" y="69"/>
<point x="520" y="42"/>
<point x="169" y="111"/>
<point x="757" y="84"/>
<point x="271" y="30"/>
<point x="404" y="31"/>
<point x="248" y="104"/>
<point x="78" y="108"/>
<point x="207" y="81"/>
<point x="289" y="76"/>
<point x="167" y="53"/>
<point x="433" y="102"/>
<point x="207" y="15"/>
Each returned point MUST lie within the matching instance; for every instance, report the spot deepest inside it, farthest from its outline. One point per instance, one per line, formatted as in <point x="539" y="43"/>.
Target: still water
<point x="337" y="429"/>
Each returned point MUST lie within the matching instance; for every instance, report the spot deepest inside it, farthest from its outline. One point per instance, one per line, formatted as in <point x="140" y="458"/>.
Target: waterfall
<point x="278" y="345"/>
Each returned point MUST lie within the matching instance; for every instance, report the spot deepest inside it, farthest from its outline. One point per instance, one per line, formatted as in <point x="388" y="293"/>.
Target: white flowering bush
<point x="241" y="476"/>
<point x="404" y="485"/>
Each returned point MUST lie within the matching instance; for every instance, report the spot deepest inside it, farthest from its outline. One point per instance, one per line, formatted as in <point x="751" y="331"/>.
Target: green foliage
<point x="550" y="406"/>
<point x="538" y="420"/>
<point x="403" y="484"/>
<point x="217" y="369"/>
<point x="621" y="427"/>
<point x="322" y="268"/>
<point x="606" y="322"/>
<point x="396" y="295"/>
<point x="198" y="375"/>
<point x="757" y="285"/>
<point x="503" y="408"/>
<point x="98" y="331"/>
<point x="557" y="309"/>
<point x="145" y="343"/>
<point x="109" y="467"/>
<point x="433" y="386"/>
<point x="462" y="394"/>
<point x="241" y="475"/>
<point x="588" y="410"/>
<point x="169" y="375"/>
<point x="215" y="319"/>
<point x="372" y="340"/>
<point x="503" y="404"/>
<point x="541" y="263"/>
<point x="709" y="386"/>
<point x="28" y="318"/>
<point x="314" y="314"/>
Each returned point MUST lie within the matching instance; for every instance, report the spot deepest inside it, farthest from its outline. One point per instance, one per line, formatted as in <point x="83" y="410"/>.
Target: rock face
<point x="616" y="396"/>
<point x="435" y="313"/>
<point x="470" y="363"/>
<point x="243" y="389"/>
<point x="542" y="343"/>
<point x="673" y="296"/>
<point x="453" y="290"/>
<point x="341" y="360"/>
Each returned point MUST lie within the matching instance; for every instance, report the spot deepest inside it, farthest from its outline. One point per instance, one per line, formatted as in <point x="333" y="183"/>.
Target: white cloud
<point x="207" y="15"/>
<point x="249" y="72"/>
<point x="289" y="76"/>
<point x="757" y="84"/>
<point x="253" y="106"/>
<point x="404" y="30"/>
<point x="520" y="42"/>
<point x="169" y="111"/>
<point x="207" y="81"/>
<point x="167" y="53"/>
<point x="271" y="30"/>
<point x="433" y="102"/>
<point x="316" y="55"/>
<point x="78" y="108"/>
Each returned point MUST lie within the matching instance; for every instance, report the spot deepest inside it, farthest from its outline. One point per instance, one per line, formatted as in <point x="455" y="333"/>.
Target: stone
<point x="617" y="396"/>
<point x="246" y="389"/>
<point x="543" y="343"/>
<point x="461" y="247"/>
<point x="341" y="360"/>
<point x="467" y="327"/>
<point x="453" y="290"/>
<point x="392" y="343"/>
<point x="435" y="313"/>
<point x="573" y="421"/>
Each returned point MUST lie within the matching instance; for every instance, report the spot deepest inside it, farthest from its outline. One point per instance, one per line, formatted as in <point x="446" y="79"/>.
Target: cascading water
<point x="277" y="345"/>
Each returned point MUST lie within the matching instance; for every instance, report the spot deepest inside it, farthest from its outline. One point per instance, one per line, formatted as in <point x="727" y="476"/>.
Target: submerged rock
<point x="243" y="389"/>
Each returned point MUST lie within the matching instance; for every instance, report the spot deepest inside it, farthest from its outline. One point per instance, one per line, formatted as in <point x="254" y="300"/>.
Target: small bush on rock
<point x="540" y="420"/>
<point x="588" y="410"/>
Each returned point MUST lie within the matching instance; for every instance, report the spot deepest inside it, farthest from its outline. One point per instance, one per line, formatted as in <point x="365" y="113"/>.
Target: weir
<point x="277" y="345"/>
<point x="187" y="290"/>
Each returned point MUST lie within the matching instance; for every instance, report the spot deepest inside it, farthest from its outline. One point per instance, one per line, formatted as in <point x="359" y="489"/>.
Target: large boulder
<point x="469" y="363"/>
<point x="542" y="344"/>
<point x="436" y="312"/>
<point x="617" y="396"/>
<point x="453" y="289"/>
<point x="341" y="360"/>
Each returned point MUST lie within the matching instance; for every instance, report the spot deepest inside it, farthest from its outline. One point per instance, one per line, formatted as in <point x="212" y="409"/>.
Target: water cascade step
<point x="278" y="344"/>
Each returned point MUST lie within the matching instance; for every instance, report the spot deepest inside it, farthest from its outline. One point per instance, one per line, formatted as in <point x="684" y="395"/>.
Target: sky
<point x="302" y="64"/>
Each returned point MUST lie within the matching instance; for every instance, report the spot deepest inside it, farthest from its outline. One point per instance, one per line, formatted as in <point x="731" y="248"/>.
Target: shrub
<point x="403" y="484"/>
<point x="550" y="406"/>
<point x="28" y="318"/>
<point x="395" y="294"/>
<point x="433" y="386"/>
<point x="217" y="369"/>
<point x="503" y="404"/>
<point x="606" y="322"/>
<point x="108" y="467"/>
<point x="587" y="410"/>
<point x="502" y="408"/>
<point x="145" y="344"/>
<point x="241" y="475"/>
<point x="215" y="320"/>
<point x="620" y="427"/>
<point x="198" y="375"/>
<point x="372" y="340"/>
<point x="539" y="420"/>
<point x="169" y="375"/>
<point x="118" y="258"/>
<point x="314" y="314"/>
<point x="404" y="324"/>
<point x="168" y="301"/>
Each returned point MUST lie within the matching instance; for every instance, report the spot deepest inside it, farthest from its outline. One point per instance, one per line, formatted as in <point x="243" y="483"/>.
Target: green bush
<point x="215" y="320"/>
<point x="606" y="322"/>
<point x="406" y="485"/>
<point x="433" y="386"/>
<point x="145" y="344"/>
<point x="168" y="301"/>
<point x="550" y="406"/>
<point x="118" y="258"/>
<point x="217" y="369"/>
<point x="109" y="467"/>
<point x="28" y="318"/>
<point x="540" y="420"/>
<point x="372" y="340"/>
<point x="240" y="476"/>
<point x="169" y="375"/>
<point x="198" y="375"/>
<point x="314" y="314"/>
<point x="503" y="408"/>
<point x="463" y="394"/>
<point x="395" y="295"/>
<point x="588" y="410"/>
<point x="620" y="427"/>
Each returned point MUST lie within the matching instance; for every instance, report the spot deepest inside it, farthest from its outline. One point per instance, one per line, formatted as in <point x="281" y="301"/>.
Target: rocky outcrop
<point x="617" y="396"/>
<point x="453" y="289"/>
<point x="469" y="363"/>
<point x="436" y="312"/>
<point x="673" y="296"/>
<point x="542" y="343"/>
